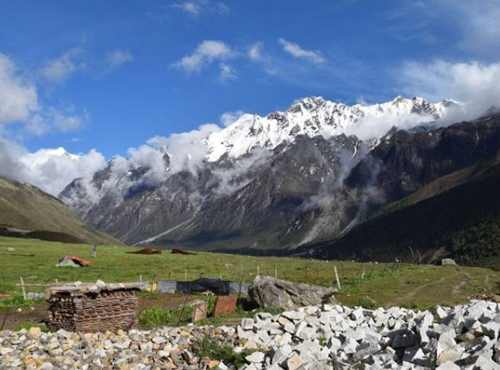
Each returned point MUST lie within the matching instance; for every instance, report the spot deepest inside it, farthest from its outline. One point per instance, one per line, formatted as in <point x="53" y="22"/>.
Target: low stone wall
<point x="92" y="310"/>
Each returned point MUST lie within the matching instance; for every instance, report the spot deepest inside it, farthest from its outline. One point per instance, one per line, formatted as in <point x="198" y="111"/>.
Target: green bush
<point x="367" y="302"/>
<point x="16" y="302"/>
<point x="28" y="325"/>
<point x="157" y="317"/>
<point x="209" y="347"/>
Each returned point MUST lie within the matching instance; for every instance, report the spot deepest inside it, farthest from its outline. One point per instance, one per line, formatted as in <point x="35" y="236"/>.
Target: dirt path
<point x="417" y="290"/>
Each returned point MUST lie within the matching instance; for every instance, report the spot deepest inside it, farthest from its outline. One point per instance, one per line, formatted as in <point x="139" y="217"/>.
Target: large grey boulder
<point x="266" y="292"/>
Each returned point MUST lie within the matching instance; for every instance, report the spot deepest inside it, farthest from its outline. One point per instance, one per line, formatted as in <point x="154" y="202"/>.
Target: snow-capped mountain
<point x="316" y="116"/>
<point x="273" y="181"/>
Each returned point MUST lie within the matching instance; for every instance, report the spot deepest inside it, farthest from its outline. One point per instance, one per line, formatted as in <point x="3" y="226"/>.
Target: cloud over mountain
<point x="475" y="84"/>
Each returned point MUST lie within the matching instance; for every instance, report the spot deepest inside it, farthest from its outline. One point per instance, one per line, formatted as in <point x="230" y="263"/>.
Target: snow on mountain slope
<point x="316" y="116"/>
<point x="274" y="180"/>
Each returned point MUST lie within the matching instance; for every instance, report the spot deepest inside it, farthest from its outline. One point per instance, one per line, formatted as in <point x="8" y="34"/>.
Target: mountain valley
<point x="288" y="180"/>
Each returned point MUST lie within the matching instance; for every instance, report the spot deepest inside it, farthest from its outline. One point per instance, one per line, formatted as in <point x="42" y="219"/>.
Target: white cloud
<point x="207" y="52"/>
<point x="66" y="123"/>
<point x="471" y="26"/>
<point x="118" y="57"/>
<point x="50" y="119"/>
<point x="9" y="163"/>
<point x="199" y="7"/>
<point x="49" y="169"/>
<point x="18" y="98"/>
<point x="255" y="52"/>
<point x="149" y="157"/>
<point x="186" y="150"/>
<point x="227" y="73"/>
<point x="19" y="104"/>
<point x="189" y="7"/>
<point x="228" y="118"/>
<point x="60" y="69"/>
<point x="475" y="84"/>
<point x="297" y="52"/>
<point x="480" y="24"/>
<point x="36" y="125"/>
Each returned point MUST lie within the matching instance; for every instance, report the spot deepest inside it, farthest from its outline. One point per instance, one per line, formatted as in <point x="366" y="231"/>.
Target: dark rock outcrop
<point x="266" y="292"/>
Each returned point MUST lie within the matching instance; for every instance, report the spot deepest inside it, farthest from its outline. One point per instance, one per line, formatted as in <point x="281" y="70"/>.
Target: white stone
<point x="301" y="327"/>
<point x="285" y="339"/>
<point x="349" y="346"/>
<point x="327" y="307"/>
<point x="486" y="363"/>
<point x="357" y="314"/>
<point x="35" y="332"/>
<point x="159" y="340"/>
<point x="221" y="366"/>
<point x="476" y="308"/>
<point x="294" y="315"/>
<point x="281" y="354"/>
<point x="163" y="354"/>
<point x="448" y="366"/>
<point x="5" y="350"/>
<point x="307" y="333"/>
<point x="440" y="313"/>
<point x="290" y="328"/>
<point x="416" y="356"/>
<point x="263" y="336"/>
<point x="491" y="329"/>
<point x="334" y="344"/>
<point x="450" y="355"/>
<point x="445" y="342"/>
<point x="294" y="362"/>
<point x="256" y="357"/>
<point x="365" y="349"/>
<point x="247" y="324"/>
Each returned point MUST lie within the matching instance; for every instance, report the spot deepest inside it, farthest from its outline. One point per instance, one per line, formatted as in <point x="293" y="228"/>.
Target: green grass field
<point x="415" y="286"/>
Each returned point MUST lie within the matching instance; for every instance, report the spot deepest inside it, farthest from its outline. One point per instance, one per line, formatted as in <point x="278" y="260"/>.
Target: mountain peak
<point x="313" y="116"/>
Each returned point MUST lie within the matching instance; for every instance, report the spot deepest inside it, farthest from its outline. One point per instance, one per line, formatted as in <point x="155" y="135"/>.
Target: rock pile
<point x="330" y="337"/>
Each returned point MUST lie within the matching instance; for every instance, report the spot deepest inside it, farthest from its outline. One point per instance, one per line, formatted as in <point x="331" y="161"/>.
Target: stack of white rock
<point x="328" y="337"/>
<point x="463" y="337"/>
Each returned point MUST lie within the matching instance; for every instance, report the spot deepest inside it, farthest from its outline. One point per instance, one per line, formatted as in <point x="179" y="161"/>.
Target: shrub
<point x="209" y="347"/>
<point x="28" y="325"/>
<point x="155" y="317"/>
<point x="367" y="302"/>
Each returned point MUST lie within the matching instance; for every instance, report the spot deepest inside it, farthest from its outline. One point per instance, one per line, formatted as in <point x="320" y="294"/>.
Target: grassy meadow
<point x="368" y="284"/>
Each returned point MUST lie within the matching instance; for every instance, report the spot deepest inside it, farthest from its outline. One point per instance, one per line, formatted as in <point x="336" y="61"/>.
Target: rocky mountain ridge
<point x="285" y="180"/>
<point x="316" y="117"/>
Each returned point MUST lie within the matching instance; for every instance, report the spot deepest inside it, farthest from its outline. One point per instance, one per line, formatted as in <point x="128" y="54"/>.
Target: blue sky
<point x="110" y="74"/>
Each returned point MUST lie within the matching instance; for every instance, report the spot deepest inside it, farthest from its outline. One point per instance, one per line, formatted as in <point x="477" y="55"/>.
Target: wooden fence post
<point x="23" y="288"/>
<point x="337" y="277"/>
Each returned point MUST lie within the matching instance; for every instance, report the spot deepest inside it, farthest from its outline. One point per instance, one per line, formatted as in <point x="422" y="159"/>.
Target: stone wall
<point x="92" y="312"/>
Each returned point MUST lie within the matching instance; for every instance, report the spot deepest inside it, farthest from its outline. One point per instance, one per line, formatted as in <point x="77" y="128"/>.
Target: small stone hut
<point x="92" y="307"/>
